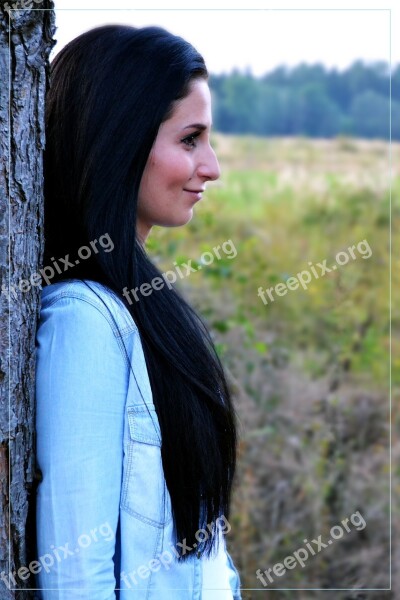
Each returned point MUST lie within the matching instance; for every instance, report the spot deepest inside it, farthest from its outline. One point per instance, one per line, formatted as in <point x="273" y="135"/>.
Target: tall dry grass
<point x="309" y="371"/>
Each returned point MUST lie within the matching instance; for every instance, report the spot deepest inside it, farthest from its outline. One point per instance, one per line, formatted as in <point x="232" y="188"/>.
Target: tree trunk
<point x="25" y="43"/>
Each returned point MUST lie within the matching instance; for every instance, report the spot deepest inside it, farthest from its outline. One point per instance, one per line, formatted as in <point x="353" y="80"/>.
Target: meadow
<point x="308" y="368"/>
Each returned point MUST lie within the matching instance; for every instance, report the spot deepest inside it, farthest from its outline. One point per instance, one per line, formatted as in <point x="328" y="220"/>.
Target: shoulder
<point x="89" y="301"/>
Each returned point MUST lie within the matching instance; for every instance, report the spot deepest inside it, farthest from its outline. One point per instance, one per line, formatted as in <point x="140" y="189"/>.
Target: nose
<point x="208" y="168"/>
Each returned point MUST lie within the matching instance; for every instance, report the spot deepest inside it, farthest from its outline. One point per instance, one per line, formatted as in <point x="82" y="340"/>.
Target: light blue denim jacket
<point x="104" y="522"/>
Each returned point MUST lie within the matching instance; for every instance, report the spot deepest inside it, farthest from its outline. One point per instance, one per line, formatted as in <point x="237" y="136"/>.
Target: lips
<point x="195" y="195"/>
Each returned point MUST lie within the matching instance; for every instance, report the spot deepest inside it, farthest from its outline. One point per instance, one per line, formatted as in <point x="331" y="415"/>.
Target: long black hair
<point x="110" y="89"/>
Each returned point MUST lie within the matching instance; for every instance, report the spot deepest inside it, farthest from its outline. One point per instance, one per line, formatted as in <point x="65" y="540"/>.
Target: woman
<point x="136" y="434"/>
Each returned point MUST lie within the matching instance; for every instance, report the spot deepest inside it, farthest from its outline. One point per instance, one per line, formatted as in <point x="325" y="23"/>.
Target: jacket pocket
<point x="144" y="491"/>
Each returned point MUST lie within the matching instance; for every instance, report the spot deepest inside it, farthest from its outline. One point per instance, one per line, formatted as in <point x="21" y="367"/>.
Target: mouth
<point x="194" y="193"/>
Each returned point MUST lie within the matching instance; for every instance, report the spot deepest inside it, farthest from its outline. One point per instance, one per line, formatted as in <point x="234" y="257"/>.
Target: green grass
<point x="309" y="370"/>
<point x="284" y="217"/>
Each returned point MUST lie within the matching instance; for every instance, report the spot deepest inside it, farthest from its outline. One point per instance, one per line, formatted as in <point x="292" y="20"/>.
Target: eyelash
<point x="190" y="139"/>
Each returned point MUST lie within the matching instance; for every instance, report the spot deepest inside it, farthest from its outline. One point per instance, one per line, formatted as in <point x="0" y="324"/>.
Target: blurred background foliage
<point x="310" y="371"/>
<point x="309" y="100"/>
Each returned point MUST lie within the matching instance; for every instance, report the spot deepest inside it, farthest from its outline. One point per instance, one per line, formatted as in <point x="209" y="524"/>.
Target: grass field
<point x="309" y="368"/>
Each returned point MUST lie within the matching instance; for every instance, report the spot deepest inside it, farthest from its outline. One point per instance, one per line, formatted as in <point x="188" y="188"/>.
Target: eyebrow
<point x="200" y="126"/>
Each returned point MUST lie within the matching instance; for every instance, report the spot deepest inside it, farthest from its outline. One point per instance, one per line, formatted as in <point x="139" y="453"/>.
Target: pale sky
<point x="251" y="34"/>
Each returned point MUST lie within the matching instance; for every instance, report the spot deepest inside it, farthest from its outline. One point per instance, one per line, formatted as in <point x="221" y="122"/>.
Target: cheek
<point x="166" y="174"/>
<point x="173" y="171"/>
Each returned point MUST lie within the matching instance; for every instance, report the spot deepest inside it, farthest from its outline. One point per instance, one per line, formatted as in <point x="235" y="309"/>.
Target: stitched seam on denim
<point x="124" y="331"/>
<point x="124" y="503"/>
<point x="156" y="551"/>
<point x="122" y="348"/>
<point x="124" y="497"/>
<point x="115" y="301"/>
<point x="78" y="296"/>
<point x="99" y="307"/>
<point x="145" y="440"/>
<point x="141" y="438"/>
<point x="144" y="519"/>
<point x="197" y="579"/>
<point x="127" y="474"/>
<point x="139" y="408"/>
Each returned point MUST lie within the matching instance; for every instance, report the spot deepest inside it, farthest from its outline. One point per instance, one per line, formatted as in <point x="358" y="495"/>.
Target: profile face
<point x="179" y="164"/>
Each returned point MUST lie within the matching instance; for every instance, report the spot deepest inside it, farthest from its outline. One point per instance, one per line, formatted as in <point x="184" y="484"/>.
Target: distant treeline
<point x="309" y="100"/>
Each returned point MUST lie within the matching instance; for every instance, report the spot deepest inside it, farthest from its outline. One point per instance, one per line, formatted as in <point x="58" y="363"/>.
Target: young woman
<point x="136" y="433"/>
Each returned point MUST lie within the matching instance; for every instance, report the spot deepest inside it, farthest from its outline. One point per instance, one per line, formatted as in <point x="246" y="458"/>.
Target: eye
<point x="190" y="140"/>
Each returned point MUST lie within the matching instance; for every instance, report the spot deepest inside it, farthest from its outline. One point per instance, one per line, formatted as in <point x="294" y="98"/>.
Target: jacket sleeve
<point x="234" y="578"/>
<point x="81" y="387"/>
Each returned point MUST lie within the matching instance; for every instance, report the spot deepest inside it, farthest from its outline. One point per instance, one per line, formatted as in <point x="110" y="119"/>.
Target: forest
<point x="311" y="101"/>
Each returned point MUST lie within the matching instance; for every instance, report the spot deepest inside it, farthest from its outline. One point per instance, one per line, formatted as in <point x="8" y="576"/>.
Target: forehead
<point x="195" y="107"/>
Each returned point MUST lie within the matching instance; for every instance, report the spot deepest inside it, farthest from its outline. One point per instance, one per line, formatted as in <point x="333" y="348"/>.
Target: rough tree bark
<point x="26" y="39"/>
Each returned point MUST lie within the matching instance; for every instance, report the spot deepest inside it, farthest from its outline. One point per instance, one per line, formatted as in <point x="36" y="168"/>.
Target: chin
<point x="179" y="221"/>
